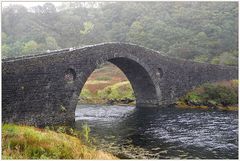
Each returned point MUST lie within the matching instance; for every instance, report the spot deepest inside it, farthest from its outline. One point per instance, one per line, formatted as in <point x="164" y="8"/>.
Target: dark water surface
<point x="165" y="133"/>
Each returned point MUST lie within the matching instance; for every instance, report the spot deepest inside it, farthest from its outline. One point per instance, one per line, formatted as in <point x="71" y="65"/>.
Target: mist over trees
<point x="199" y="31"/>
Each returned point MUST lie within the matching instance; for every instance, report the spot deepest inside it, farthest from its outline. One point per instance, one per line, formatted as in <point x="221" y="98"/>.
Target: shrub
<point x="85" y="94"/>
<point x="223" y="93"/>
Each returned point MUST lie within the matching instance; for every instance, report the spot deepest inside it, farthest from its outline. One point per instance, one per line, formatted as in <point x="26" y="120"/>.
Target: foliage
<point x="85" y="94"/>
<point x="136" y="32"/>
<point x="201" y="58"/>
<point x="83" y="135"/>
<point x="117" y="91"/>
<point x="5" y="50"/>
<point x="104" y="79"/>
<point x="51" y="43"/>
<point x="221" y="94"/>
<point x="199" y="31"/>
<point x="30" y="47"/>
<point x="4" y="38"/>
<point x="24" y="142"/>
<point x="88" y="26"/>
<point x="86" y="130"/>
<point x="229" y="58"/>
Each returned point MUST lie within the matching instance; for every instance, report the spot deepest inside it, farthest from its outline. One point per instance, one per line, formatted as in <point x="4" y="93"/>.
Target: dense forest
<point x="199" y="31"/>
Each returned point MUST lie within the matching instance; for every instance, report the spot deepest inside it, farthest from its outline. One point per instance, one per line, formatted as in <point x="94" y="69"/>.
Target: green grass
<point x="222" y="95"/>
<point x="117" y="91"/>
<point x="86" y="94"/>
<point x="25" y="142"/>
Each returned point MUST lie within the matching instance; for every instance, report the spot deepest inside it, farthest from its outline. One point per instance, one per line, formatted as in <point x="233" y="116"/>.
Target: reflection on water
<point x="153" y="133"/>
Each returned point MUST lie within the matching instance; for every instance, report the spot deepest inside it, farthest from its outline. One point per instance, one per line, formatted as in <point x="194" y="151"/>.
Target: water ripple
<point x="163" y="133"/>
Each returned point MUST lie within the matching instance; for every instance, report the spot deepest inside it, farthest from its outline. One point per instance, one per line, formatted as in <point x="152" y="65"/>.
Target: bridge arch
<point x="145" y="87"/>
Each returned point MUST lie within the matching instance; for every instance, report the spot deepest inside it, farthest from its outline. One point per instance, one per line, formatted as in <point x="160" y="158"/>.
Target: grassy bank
<point x="118" y="93"/>
<point x="25" y="142"/>
<point x="221" y="96"/>
<point x="107" y="85"/>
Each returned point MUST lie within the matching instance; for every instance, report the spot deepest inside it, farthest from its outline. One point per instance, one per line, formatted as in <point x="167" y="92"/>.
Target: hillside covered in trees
<point x="199" y="31"/>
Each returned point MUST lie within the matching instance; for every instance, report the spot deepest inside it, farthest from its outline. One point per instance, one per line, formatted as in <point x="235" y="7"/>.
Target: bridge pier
<point x="147" y="103"/>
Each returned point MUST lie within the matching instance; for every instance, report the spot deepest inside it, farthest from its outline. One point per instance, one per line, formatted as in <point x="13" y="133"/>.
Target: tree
<point x="228" y="59"/>
<point x="118" y="32"/>
<point x="51" y="43"/>
<point x="16" y="48"/>
<point x="30" y="47"/>
<point x="11" y="16"/>
<point x="6" y="51"/>
<point x="49" y="8"/>
<point x="4" y="38"/>
<point x="215" y="60"/>
<point x="136" y="33"/>
<point x="201" y="58"/>
<point x="87" y="28"/>
<point x="197" y="31"/>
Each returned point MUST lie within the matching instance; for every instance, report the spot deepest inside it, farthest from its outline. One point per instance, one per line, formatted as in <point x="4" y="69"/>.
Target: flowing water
<point x="166" y="133"/>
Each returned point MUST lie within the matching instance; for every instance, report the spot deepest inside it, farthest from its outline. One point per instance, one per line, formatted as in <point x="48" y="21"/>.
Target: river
<point x="166" y="133"/>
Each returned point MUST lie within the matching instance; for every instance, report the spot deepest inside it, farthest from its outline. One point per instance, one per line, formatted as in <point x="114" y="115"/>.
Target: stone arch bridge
<point x="44" y="89"/>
